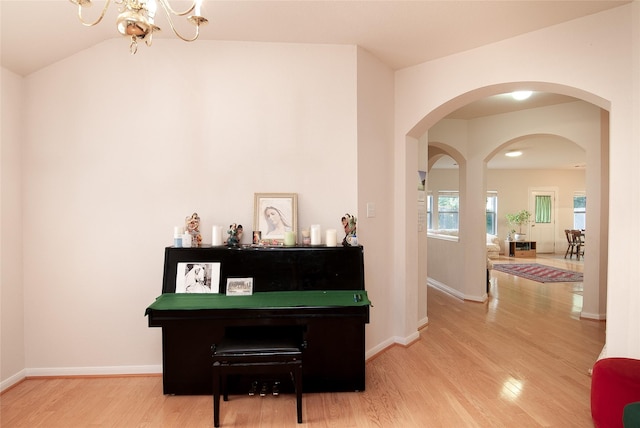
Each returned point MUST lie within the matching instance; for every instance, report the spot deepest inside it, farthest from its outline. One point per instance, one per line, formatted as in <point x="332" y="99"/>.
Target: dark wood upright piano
<point x="315" y="292"/>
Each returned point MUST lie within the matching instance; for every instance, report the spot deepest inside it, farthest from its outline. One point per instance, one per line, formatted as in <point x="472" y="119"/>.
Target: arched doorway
<point x="596" y="184"/>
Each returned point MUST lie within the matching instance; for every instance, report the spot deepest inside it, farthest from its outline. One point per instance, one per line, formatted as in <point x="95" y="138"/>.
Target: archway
<point x="547" y="162"/>
<point x="597" y="188"/>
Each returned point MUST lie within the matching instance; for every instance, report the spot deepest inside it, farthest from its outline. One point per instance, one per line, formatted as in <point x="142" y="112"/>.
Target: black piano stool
<point x="255" y="356"/>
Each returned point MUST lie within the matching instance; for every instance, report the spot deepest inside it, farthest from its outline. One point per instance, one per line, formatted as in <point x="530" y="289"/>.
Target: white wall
<point x="120" y="149"/>
<point x="375" y="187"/>
<point x="594" y="58"/>
<point x="12" y="357"/>
<point x="512" y="187"/>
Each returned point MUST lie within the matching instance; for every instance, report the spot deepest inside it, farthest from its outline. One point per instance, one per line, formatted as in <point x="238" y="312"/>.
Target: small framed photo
<point x="274" y="214"/>
<point x="197" y="277"/>
<point x="239" y="286"/>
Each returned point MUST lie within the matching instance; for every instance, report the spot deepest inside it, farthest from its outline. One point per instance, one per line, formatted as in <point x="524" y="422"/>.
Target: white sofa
<point x="493" y="246"/>
<point x="447" y="232"/>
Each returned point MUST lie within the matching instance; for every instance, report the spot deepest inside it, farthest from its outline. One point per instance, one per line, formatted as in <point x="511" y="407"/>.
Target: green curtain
<point x="543" y="209"/>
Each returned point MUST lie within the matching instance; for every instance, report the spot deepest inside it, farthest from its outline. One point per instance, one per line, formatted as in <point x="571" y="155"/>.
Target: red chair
<point x="615" y="382"/>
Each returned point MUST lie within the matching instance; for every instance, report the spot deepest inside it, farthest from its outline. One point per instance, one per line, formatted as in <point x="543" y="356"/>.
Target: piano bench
<point x="257" y="356"/>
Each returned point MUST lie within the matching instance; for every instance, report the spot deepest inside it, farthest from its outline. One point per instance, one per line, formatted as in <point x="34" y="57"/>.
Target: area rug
<point x="539" y="273"/>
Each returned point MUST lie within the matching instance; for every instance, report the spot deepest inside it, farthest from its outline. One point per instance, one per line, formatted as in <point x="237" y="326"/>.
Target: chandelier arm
<point x="196" y="21"/>
<point x="97" y="21"/>
<point x="167" y="7"/>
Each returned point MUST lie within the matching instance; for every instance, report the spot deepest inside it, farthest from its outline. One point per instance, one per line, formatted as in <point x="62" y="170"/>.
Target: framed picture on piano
<point x="239" y="286"/>
<point x="274" y="215"/>
<point x="198" y="277"/>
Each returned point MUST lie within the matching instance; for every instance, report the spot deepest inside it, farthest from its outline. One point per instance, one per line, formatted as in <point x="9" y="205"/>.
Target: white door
<point x="542" y="228"/>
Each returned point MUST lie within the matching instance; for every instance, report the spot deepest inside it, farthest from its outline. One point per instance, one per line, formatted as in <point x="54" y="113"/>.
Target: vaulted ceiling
<point x="37" y="33"/>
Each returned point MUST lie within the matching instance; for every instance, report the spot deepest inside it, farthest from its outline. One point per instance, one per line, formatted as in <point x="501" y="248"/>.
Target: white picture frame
<point x="239" y="286"/>
<point x="274" y="214"/>
<point x="198" y="277"/>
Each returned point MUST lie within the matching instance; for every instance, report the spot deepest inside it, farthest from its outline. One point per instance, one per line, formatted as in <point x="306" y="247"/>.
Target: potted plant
<point x="518" y="219"/>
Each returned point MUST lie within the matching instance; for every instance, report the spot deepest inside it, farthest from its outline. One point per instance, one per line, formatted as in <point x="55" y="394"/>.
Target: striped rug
<point x="538" y="272"/>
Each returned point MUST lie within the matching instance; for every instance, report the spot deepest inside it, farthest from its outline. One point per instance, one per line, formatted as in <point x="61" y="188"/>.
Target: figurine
<point x="235" y="234"/>
<point x="192" y="224"/>
<point x="349" y="224"/>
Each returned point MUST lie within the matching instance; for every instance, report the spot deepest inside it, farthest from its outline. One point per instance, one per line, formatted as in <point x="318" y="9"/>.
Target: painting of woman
<point x="277" y="223"/>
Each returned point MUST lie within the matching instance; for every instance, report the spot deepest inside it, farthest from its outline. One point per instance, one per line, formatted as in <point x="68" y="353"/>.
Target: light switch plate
<point x="371" y="209"/>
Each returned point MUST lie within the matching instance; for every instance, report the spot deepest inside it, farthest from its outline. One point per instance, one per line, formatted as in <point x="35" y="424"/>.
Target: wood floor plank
<point x="520" y="359"/>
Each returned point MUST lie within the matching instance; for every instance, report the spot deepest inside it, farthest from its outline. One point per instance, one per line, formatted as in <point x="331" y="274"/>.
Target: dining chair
<point x="571" y="244"/>
<point x="578" y="241"/>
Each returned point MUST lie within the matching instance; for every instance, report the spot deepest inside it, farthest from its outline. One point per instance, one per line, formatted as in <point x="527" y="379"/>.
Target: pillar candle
<point x="315" y="235"/>
<point x="289" y="239"/>
<point x="216" y="235"/>
<point x="332" y="238"/>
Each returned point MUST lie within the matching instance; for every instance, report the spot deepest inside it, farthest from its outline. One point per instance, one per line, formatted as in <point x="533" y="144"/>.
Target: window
<point x="492" y="212"/>
<point x="448" y="210"/>
<point x="543" y="209"/>
<point x="579" y="211"/>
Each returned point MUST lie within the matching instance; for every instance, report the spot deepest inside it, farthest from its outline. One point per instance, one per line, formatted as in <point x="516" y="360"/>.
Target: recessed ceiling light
<point x="513" y="153"/>
<point x="521" y="95"/>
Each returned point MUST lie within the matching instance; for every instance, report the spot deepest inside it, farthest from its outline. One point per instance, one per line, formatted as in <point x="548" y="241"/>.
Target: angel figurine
<point x="235" y="234"/>
<point x="349" y="224"/>
<point x="192" y="226"/>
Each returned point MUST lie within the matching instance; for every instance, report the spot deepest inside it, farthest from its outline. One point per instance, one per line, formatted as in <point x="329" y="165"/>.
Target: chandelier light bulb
<point x="132" y="23"/>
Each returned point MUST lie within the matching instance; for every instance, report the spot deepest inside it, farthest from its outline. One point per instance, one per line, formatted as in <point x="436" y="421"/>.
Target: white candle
<point x="332" y="238"/>
<point x="315" y="235"/>
<point x="198" y="4"/>
<point x="216" y="235"/>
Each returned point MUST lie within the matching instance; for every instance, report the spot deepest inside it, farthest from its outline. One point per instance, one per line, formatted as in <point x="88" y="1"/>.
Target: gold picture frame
<point x="274" y="214"/>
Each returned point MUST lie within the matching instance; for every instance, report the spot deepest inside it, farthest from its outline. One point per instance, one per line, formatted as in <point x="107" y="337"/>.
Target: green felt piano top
<point x="271" y="299"/>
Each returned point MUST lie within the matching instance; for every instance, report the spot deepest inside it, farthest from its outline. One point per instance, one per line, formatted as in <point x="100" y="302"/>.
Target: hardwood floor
<point x="519" y="360"/>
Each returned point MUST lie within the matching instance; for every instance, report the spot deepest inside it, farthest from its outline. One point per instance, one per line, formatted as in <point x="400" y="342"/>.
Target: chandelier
<point x="136" y="18"/>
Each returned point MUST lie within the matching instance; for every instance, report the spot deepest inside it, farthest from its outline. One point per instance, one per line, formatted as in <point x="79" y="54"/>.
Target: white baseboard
<point x="455" y="293"/>
<point x="405" y="341"/>
<point x="390" y="342"/>
<point x="603" y="353"/>
<point x="480" y="299"/>
<point x="80" y="371"/>
<point x="12" y="380"/>
<point x="423" y="322"/>
<point x="445" y="288"/>
<point x="93" y="371"/>
<point x="590" y="316"/>
<point x="378" y="349"/>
